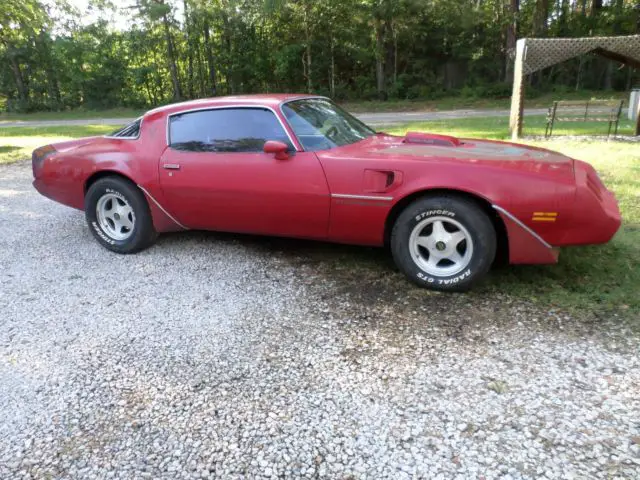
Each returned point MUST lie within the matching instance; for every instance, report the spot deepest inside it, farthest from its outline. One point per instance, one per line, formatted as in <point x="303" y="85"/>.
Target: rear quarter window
<point x="131" y="130"/>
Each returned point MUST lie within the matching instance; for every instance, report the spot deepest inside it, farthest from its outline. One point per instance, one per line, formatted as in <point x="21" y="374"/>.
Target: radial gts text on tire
<point x="118" y="215"/>
<point x="443" y="242"/>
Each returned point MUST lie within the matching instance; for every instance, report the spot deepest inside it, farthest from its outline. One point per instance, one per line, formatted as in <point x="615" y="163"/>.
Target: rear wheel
<point x="444" y="242"/>
<point x="118" y="215"/>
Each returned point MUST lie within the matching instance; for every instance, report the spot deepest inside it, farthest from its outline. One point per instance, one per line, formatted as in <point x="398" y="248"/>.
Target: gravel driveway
<point x="239" y="357"/>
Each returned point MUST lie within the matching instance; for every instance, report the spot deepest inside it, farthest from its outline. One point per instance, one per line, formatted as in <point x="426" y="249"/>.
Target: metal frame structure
<point x="585" y="111"/>
<point x="534" y="54"/>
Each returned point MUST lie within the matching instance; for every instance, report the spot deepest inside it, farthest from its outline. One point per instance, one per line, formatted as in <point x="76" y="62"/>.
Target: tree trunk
<point x="53" y="88"/>
<point x="579" y="76"/>
<point x="564" y="18"/>
<point x="608" y="77"/>
<point x="307" y="34"/>
<point x="395" y="56"/>
<point x="512" y="37"/>
<point x="380" y="79"/>
<point x="173" y="69"/>
<point x="210" y="58"/>
<point x="187" y="34"/>
<point x="332" y="83"/>
<point x="226" y="35"/>
<point x="23" y="91"/>
<point x="541" y="17"/>
<point x="583" y="8"/>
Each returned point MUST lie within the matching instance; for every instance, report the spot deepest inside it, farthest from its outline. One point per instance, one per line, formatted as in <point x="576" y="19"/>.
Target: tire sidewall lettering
<point x="116" y="193"/>
<point x="444" y="281"/>
<point x="102" y="235"/>
<point x="431" y="213"/>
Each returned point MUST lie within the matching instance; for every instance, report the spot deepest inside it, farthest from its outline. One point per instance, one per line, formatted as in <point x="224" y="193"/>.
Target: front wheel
<point x="444" y="243"/>
<point x="118" y="215"/>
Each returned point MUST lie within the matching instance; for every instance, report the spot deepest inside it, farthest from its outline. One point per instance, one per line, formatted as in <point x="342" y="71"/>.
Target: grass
<point x="459" y="102"/>
<point x="498" y="127"/>
<point x="78" y="114"/>
<point x="17" y="143"/>
<point x="600" y="279"/>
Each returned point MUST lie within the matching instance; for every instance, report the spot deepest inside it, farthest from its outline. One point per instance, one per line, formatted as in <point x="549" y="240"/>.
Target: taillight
<point x="38" y="156"/>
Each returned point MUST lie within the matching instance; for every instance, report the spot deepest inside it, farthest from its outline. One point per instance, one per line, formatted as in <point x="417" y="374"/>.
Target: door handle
<point x="171" y="166"/>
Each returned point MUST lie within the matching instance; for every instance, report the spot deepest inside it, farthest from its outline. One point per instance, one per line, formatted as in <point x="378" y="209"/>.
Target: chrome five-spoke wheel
<point x="445" y="242"/>
<point x="118" y="215"/>
<point x="115" y="216"/>
<point x="441" y="246"/>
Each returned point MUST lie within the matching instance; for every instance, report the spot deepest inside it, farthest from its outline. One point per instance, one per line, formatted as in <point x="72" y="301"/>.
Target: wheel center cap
<point x="440" y="246"/>
<point x="116" y="216"/>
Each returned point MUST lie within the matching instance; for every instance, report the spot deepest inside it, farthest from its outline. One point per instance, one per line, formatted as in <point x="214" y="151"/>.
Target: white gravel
<point x="235" y="357"/>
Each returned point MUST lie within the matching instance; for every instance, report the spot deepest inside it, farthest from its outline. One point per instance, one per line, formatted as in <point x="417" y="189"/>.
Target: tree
<point x="20" y="20"/>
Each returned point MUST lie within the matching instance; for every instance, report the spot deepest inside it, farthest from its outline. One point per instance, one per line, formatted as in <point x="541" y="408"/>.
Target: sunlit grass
<point x="498" y="127"/>
<point x="78" y="114"/>
<point x="17" y="143"/>
<point x="601" y="279"/>
<point x="461" y="102"/>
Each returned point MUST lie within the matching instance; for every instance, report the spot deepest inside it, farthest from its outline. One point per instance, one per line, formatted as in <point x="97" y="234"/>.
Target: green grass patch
<point x="79" y="114"/>
<point x="460" y="102"/>
<point x="498" y="127"/>
<point x="17" y="143"/>
<point x="602" y="278"/>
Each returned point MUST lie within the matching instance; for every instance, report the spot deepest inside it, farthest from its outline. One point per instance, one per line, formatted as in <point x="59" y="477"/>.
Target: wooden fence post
<point x="638" y="118"/>
<point x="517" y="97"/>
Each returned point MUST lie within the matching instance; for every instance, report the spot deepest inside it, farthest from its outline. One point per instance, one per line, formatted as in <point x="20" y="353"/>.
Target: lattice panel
<point x="543" y="52"/>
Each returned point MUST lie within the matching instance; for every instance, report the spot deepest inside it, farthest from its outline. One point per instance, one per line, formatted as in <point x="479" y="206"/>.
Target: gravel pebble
<point x="222" y="356"/>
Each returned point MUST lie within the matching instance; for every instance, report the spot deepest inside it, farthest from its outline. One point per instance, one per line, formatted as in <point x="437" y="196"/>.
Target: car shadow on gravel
<point x="363" y="285"/>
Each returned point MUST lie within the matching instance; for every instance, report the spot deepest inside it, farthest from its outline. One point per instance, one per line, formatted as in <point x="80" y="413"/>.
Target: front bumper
<point x="596" y="216"/>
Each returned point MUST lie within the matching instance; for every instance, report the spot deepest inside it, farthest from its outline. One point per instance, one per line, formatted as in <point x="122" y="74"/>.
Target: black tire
<point x="444" y="210"/>
<point x="140" y="236"/>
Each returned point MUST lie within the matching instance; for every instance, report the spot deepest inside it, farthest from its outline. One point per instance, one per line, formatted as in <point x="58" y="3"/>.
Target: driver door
<point x="215" y="176"/>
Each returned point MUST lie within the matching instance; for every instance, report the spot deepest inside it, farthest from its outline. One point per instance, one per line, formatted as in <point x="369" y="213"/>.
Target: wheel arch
<point x="163" y="221"/>
<point x="502" y="251"/>
<point x="94" y="177"/>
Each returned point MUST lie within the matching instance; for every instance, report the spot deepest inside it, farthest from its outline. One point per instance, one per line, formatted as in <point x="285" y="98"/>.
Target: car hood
<point x="441" y="148"/>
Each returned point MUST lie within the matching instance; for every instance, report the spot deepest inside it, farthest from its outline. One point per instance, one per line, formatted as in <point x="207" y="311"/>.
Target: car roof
<point x="271" y="100"/>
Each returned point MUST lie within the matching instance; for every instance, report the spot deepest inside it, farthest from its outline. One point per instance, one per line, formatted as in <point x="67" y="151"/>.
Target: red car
<point x="299" y="166"/>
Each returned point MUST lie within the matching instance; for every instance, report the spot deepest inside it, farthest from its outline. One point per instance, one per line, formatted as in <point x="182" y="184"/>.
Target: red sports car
<point x="299" y="166"/>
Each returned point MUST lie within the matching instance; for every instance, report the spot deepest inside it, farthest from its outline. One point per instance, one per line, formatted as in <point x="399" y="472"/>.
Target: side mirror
<point x="280" y="149"/>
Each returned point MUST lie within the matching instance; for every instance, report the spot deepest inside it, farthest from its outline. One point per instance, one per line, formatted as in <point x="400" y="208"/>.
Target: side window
<point x="225" y="130"/>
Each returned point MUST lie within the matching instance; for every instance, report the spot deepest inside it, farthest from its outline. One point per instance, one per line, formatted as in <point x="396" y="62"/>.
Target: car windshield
<point x="320" y="124"/>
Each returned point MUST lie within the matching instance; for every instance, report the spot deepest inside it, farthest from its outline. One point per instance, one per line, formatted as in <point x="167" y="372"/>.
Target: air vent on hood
<point x="431" y="139"/>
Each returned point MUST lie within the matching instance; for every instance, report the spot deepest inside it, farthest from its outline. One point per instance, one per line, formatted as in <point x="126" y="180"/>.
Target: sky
<point x="121" y="19"/>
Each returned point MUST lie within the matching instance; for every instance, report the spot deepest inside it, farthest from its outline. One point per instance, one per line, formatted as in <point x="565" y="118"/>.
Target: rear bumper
<point x="64" y="194"/>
